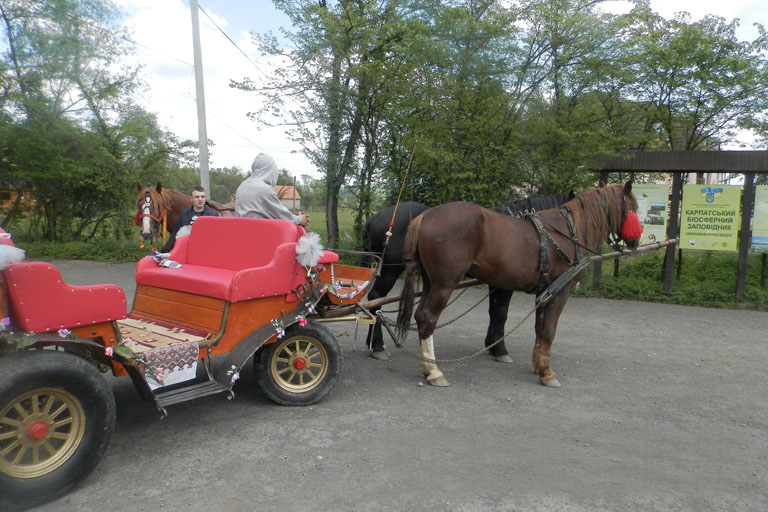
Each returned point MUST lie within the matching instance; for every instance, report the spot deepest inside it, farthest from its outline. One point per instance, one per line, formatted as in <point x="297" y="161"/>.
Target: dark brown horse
<point x="392" y="265"/>
<point x="449" y="241"/>
<point x="157" y="205"/>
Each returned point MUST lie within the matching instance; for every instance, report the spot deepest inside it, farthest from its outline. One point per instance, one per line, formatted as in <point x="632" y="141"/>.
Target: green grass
<point x="707" y="278"/>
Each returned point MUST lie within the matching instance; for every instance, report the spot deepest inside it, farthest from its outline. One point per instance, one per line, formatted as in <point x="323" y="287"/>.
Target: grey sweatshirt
<point x="256" y="196"/>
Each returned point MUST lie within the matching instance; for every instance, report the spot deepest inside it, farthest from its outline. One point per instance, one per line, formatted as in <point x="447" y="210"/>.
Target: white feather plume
<point x="309" y="249"/>
<point x="10" y="254"/>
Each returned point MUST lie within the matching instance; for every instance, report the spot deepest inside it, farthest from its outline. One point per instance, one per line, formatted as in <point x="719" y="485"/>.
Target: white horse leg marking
<point x="431" y="371"/>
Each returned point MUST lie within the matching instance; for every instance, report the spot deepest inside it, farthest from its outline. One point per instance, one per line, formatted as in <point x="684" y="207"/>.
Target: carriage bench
<point x="63" y="306"/>
<point x="233" y="259"/>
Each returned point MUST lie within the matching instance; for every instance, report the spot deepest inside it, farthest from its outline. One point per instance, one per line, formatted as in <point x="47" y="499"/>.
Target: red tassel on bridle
<point x="632" y="229"/>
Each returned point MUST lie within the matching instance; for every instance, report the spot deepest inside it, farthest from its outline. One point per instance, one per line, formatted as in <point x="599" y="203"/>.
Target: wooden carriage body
<point x="237" y="287"/>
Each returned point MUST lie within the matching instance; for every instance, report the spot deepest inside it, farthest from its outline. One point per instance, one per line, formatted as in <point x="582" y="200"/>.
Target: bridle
<point x="146" y="212"/>
<point x="614" y="240"/>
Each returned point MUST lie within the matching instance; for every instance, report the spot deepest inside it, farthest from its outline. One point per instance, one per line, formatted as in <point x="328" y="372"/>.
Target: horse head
<point x="150" y="209"/>
<point x="620" y="207"/>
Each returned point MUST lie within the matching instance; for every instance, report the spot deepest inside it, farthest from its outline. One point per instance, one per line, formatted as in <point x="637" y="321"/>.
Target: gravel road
<point x="662" y="407"/>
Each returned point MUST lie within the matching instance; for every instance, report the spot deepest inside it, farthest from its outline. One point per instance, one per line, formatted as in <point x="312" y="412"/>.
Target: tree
<point x="696" y="81"/>
<point x="331" y="70"/>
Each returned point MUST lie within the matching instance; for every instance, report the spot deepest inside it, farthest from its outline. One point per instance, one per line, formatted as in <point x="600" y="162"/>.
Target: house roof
<point x="287" y="192"/>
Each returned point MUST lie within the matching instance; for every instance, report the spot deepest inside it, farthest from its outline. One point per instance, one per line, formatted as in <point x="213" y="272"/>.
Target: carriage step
<point x="189" y="393"/>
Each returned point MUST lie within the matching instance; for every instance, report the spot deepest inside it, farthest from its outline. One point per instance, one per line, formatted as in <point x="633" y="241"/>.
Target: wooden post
<point x="673" y="229"/>
<point x="745" y="234"/>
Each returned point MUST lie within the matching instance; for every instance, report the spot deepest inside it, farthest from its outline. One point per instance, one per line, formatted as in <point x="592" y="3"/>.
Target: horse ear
<point x="159" y="188"/>
<point x="628" y="187"/>
<point x="139" y="187"/>
<point x="571" y="195"/>
<point x="601" y="184"/>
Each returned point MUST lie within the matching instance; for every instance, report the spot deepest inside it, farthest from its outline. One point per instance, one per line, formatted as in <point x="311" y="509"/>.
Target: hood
<point x="264" y="167"/>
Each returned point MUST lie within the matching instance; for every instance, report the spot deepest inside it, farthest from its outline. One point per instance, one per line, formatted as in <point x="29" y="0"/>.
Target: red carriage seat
<point x="40" y="300"/>
<point x="234" y="259"/>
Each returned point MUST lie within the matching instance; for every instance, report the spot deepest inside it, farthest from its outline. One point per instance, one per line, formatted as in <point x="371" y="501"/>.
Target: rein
<point x="394" y="212"/>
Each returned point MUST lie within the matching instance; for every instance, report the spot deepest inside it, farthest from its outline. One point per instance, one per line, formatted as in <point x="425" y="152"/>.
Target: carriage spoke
<point x="7" y="435"/>
<point x="8" y="449"/>
<point x="20" y="455"/>
<point x="19" y="409"/>
<point x="48" y="404"/>
<point x="50" y="449"/>
<point x="10" y="421"/>
<point x="59" y="411"/>
<point x="67" y="421"/>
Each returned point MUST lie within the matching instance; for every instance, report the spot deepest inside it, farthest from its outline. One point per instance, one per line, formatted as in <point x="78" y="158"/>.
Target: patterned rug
<point x="168" y="353"/>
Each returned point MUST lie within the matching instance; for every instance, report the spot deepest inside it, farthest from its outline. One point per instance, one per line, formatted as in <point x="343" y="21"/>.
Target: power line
<point x="268" y="77"/>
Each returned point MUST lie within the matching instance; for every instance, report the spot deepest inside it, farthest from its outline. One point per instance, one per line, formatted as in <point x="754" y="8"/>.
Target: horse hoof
<point x="381" y="356"/>
<point x="550" y="383"/>
<point x="440" y="381"/>
<point x="503" y="359"/>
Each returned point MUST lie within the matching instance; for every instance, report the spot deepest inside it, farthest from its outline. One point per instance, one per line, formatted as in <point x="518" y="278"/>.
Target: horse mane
<point x="531" y="204"/>
<point x="587" y="206"/>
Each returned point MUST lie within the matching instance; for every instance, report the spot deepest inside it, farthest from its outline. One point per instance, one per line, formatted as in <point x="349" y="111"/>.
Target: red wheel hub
<point x="299" y="363"/>
<point x="37" y="431"/>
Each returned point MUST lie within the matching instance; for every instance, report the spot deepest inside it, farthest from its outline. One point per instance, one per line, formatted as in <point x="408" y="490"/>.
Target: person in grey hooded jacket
<point x="256" y="196"/>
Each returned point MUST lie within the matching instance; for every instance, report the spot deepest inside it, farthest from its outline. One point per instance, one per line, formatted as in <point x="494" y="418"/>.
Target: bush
<point x="707" y="278"/>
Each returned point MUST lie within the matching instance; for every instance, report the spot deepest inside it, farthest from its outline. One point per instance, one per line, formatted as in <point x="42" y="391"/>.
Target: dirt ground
<point x="662" y="408"/>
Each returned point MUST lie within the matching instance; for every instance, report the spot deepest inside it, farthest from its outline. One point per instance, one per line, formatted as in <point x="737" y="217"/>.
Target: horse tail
<point x="411" y="257"/>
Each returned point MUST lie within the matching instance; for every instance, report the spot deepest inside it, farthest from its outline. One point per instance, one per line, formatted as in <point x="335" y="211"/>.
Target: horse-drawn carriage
<point x="235" y="289"/>
<point x="239" y="288"/>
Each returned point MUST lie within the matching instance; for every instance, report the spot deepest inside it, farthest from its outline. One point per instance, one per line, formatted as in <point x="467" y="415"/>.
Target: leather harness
<point x="543" y="291"/>
<point x="545" y="239"/>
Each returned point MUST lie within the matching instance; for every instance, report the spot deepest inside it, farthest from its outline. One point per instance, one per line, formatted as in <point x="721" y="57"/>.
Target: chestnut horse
<point x="156" y="205"/>
<point x="452" y="240"/>
<point x="392" y="264"/>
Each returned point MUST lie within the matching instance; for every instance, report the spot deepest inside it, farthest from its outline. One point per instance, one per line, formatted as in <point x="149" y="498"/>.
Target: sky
<point x="162" y="31"/>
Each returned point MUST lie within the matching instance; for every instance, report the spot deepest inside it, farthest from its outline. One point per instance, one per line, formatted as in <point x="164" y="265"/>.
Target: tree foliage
<point x="434" y="101"/>
<point x="72" y="133"/>
<point x="488" y="101"/>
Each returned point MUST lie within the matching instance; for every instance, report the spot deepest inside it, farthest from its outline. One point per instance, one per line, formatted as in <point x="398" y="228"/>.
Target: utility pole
<point x="202" y="132"/>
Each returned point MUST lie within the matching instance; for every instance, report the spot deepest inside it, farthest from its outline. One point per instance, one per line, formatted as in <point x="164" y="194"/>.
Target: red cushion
<point x="236" y="242"/>
<point x="328" y="257"/>
<point x="41" y="301"/>
<point x="232" y="259"/>
<point x="196" y="279"/>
